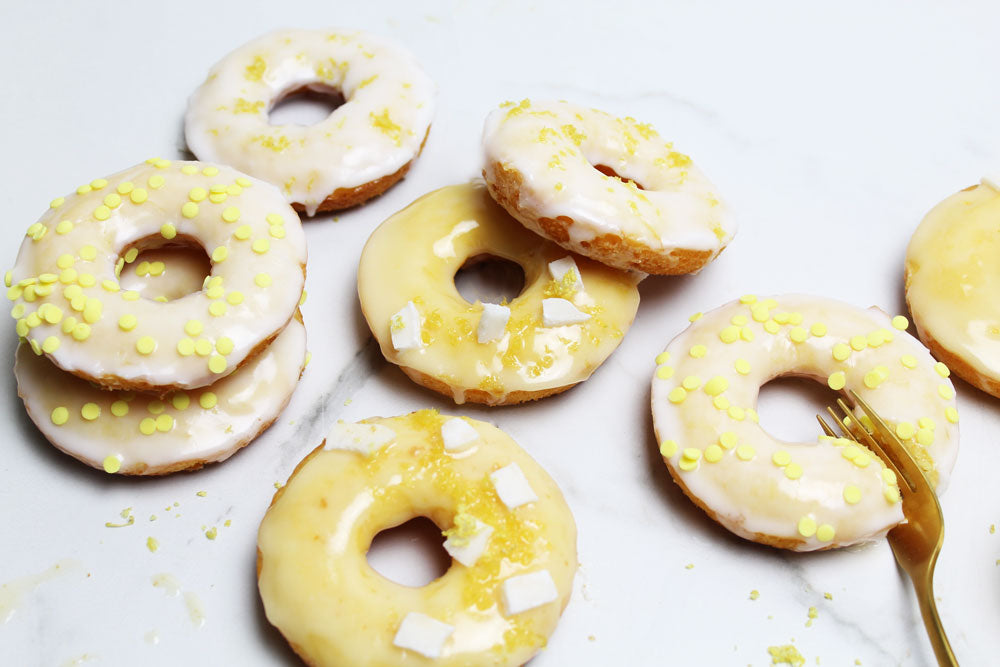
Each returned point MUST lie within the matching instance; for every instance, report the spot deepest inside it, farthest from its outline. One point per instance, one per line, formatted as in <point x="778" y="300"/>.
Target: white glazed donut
<point x="359" y="151"/>
<point x="133" y="433"/>
<point x="797" y="495"/>
<point x="70" y="306"/>
<point x="608" y="188"/>
<point x="508" y="528"/>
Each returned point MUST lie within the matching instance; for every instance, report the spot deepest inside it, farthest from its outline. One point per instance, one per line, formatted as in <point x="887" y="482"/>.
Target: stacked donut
<point x="131" y="358"/>
<point x="587" y="204"/>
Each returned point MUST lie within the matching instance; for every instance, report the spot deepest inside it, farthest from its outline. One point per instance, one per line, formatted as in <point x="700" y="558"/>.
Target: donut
<point x="365" y="146"/>
<point x="571" y="314"/>
<point x="68" y="300"/>
<point x="801" y="496"/>
<point x="608" y="188"/>
<point x="952" y="277"/>
<point x="134" y="433"/>
<point x="509" y="531"/>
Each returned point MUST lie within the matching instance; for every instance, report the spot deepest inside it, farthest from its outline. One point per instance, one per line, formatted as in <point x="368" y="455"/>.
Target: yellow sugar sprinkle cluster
<point x="387" y="126"/>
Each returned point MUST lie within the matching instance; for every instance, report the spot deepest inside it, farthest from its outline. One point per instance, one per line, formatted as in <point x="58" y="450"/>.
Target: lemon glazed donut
<point x="571" y="314"/>
<point x="798" y="495"/>
<point x="133" y="433"/>
<point x="364" y="147"/>
<point x="608" y="188"/>
<point x="952" y="280"/>
<point x="508" y="529"/>
<point x="69" y="304"/>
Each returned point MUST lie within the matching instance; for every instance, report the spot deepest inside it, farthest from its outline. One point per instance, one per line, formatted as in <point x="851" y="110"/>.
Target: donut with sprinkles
<point x="798" y="495"/>
<point x="69" y="304"/>
<point x="608" y="188"/>
<point x="508" y="530"/>
<point x="360" y="150"/>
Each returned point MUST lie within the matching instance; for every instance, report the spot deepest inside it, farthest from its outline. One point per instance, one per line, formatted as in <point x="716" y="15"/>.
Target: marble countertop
<point x="830" y="130"/>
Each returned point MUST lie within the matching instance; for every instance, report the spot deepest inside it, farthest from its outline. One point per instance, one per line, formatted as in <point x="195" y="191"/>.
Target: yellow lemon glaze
<point x="413" y="257"/>
<point x="133" y="433"/>
<point x="953" y="279"/>
<point x="797" y="495"/>
<point x="379" y="129"/>
<point x="66" y="274"/>
<point x="557" y="145"/>
<point x="334" y="609"/>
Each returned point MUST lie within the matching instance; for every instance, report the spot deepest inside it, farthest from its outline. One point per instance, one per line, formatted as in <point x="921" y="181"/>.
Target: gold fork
<point x="917" y="541"/>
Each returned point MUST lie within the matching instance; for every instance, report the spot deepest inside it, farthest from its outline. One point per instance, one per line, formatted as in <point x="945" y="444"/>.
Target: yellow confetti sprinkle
<point x="807" y="526"/>
<point x="698" y="351"/>
<point x="208" y="400"/>
<point x="951" y="414"/>
<point x="908" y="361"/>
<point x="145" y="345"/>
<point x="262" y="280"/>
<point x="112" y="464"/>
<point x="713" y="453"/>
<point x="716" y="385"/>
<point x="90" y="411"/>
<point x="147" y="426"/>
<point x="942" y="370"/>
<point x="825" y="533"/>
<point x="189" y="210"/>
<point x="185" y="347"/>
<point x="217" y="308"/>
<point x="230" y="214"/>
<point x="261" y="246"/>
<point x="668" y="448"/>
<point x="900" y="322"/>
<point x="837" y="380"/>
<point x="946" y="392"/>
<point x="818" y="329"/>
<point x="677" y="395"/>
<point x="164" y="423"/>
<point x="728" y="439"/>
<point x="852" y="495"/>
<point x="119" y="408"/>
<point x="859" y="343"/>
<point x="793" y="471"/>
<point x="729" y="335"/>
<point x="60" y="416"/>
<point x="745" y="452"/>
<point x="665" y="372"/>
<point x="781" y="458"/>
<point x="691" y="382"/>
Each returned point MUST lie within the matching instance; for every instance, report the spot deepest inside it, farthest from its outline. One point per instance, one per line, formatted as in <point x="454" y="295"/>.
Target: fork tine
<point x="826" y="427"/>
<point x="846" y="433"/>
<point x="870" y="442"/>
<point x="901" y="461"/>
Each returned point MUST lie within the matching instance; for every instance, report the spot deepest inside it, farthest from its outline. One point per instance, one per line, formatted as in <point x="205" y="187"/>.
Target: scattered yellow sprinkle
<point x="189" y="210"/>
<point x="230" y="214"/>
<point x="677" y="395"/>
<point x="164" y="423"/>
<point x="203" y="347"/>
<point x="729" y="335"/>
<point x="152" y="544"/>
<point x="208" y="400"/>
<point x="147" y="426"/>
<point x="112" y="464"/>
<point x="781" y="458"/>
<point x="807" y="526"/>
<point x="728" y="440"/>
<point x="942" y="370"/>
<point x="217" y="364"/>
<point x="217" y="308"/>
<point x="119" y="408"/>
<point x="837" y="380"/>
<point x="742" y="366"/>
<point x="145" y="345"/>
<point x="900" y="322"/>
<point x="798" y="335"/>
<point x="695" y="317"/>
<point x="745" y="452"/>
<point x="261" y="246"/>
<point x="825" y="533"/>
<point x="951" y="414"/>
<point x="818" y="329"/>
<point x="691" y="382"/>
<point x="180" y="401"/>
<point x="859" y="342"/>
<point x="946" y="392"/>
<point x="852" y="495"/>
<point x="667" y="448"/>
<point x="665" y="372"/>
<point x="716" y="385"/>
<point x="908" y="360"/>
<point x="155" y="181"/>
<point x="262" y="280"/>
<point x="60" y="416"/>
<point x="138" y="196"/>
<point x="185" y="347"/>
<point x="243" y="232"/>
<point x="90" y="411"/>
<point x="793" y="471"/>
<point x="168" y="231"/>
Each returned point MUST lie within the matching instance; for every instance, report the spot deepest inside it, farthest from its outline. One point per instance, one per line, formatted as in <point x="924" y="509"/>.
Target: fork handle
<point x="932" y="622"/>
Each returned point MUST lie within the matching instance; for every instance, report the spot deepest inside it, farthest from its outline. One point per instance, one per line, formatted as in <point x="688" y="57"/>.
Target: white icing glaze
<point x="746" y="488"/>
<point x="379" y="129"/>
<point x="527" y="356"/>
<point x="77" y="252"/>
<point x="556" y="146"/>
<point x="244" y="403"/>
<point x="318" y="589"/>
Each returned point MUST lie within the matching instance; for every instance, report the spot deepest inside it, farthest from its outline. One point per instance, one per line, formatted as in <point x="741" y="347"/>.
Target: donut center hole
<point x="411" y="554"/>
<point x="306" y="106"/>
<point x="166" y="272"/>
<point x="608" y="171"/>
<point x="788" y="406"/>
<point x="489" y="279"/>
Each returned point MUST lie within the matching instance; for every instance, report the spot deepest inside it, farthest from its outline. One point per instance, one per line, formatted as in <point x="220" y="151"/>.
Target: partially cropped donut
<point x="953" y="280"/>
<point x="608" y="188"/>
<point x="571" y="314"/>
<point x="798" y="495"/>
<point x="70" y="306"/>
<point x="359" y="151"/>
<point x="511" y="534"/>
<point x="132" y="433"/>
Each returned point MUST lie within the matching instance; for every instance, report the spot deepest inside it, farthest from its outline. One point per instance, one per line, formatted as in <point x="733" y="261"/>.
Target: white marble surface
<point x="831" y="131"/>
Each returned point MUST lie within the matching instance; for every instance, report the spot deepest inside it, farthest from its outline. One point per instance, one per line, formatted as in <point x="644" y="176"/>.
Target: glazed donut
<point x="952" y="279"/>
<point x="608" y="188"/>
<point x="507" y="526"/>
<point x="797" y="495"/>
<point x="68" y="300"/>
<point x="364" y="147"/>
<point x="133" y="433"/>
<point x="571" y="314"/>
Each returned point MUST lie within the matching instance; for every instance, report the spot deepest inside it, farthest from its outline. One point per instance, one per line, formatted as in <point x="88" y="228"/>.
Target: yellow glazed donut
<point x="570" y="316"/>
<point x="508" y="529"/>
<point x="797" y="495"/>
<point x="608" y="188"/>
<point x="952" y="283"/>
<point x="69" y="304"/>
<point x="359" y="151"/>
<point x="133" y="433"/>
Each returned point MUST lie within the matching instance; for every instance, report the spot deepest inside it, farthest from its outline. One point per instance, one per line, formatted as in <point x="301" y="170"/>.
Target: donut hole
<point x="489" y="279"/>
<point x="608" y="171"/>
<point x="788" y="406"/>
<point x="165" y="271"/>
<point x="411" y="554"/>
<point x="306" y="106"/>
